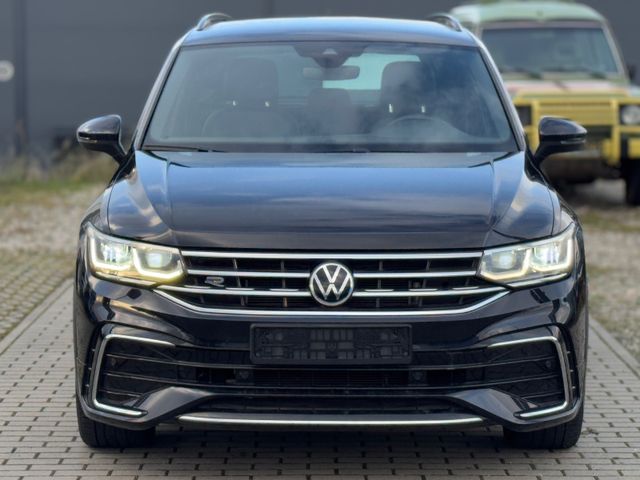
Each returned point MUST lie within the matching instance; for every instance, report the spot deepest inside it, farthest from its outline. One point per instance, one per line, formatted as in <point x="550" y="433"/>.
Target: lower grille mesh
<point x="131" y="370"/>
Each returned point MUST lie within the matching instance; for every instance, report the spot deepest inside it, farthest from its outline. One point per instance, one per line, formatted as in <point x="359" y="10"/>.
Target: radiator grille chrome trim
<point x="242" y="292"/>
<point x="284" y="292"/>
<point x="331" y="255"/>
<point x="333" y="313"/>
<point x="462" y="273"/>
<point x="247" y="273"/>
<point x="386" y="283"/>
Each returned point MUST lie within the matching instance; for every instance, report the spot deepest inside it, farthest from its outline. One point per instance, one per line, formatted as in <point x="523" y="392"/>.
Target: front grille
<point x="130" y="370"/>
<point x="412" y="282"/>
<point x="588" y="114"/>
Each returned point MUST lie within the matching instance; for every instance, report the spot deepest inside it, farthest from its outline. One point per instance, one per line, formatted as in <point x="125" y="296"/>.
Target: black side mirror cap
<point x="558" y="135"/>
<point x="103" y="134"/>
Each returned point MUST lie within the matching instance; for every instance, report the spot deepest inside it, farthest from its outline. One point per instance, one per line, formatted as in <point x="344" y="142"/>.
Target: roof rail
<point x="211" y="19"/>
<point x="446" y="20"/>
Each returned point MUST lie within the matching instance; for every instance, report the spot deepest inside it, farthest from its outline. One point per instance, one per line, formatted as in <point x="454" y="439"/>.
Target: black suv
<point x="330" y="223"/>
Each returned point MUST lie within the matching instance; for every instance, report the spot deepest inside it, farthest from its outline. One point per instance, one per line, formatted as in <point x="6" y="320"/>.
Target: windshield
<point x="330" y="97"/>
<point x="538" y="50"/>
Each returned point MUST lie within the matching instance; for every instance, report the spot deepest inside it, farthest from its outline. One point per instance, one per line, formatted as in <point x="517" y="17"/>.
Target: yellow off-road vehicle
<point x="559" y="58"/>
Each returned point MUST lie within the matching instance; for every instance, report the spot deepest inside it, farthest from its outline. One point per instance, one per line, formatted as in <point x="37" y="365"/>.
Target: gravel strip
<point x="38" y="235"/>
<point x="612" y="237"/>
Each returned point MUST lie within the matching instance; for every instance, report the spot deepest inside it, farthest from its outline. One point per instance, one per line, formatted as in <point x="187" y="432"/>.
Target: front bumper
<point x="195" y="367"/>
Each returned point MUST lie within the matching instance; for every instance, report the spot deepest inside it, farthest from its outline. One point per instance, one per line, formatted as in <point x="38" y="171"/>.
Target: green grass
<point x="26" y="180"/>
<point x="71" y="165"/>
<point x="609" y="221"/>
<point x="38" y="192"/>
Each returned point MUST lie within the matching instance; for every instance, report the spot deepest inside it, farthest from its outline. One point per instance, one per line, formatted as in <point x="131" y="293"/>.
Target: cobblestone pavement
<point x="38" y="436"/>
<point x="26" y="279"/>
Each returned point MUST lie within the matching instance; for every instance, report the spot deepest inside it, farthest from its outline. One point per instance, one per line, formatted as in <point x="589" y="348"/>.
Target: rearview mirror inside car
<point x="558" y="135"/>
<point x="345" y="72"/>
<point x="103" y="134"/>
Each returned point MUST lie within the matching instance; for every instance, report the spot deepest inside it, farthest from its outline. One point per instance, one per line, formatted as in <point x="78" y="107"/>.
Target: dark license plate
<point x="329" y="345"/>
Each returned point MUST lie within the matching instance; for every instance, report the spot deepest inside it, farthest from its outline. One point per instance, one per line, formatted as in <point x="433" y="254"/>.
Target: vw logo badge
<point x="331" y="284"/>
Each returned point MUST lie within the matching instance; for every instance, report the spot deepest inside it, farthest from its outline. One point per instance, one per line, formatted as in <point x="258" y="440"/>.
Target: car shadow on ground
<point x="362" y="441"/>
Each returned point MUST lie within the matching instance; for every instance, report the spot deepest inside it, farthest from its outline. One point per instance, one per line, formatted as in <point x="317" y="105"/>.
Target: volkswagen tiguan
<point x="330" y="223"/>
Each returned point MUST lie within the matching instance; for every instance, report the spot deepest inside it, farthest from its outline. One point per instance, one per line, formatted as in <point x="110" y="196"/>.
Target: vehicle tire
<point x="632" y="179"/>
<point x="556" y="438"/>
<point x="100" y="435"/>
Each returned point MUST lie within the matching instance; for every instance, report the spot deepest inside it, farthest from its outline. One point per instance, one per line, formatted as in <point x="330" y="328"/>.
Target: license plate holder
<point x="277" y="344"/>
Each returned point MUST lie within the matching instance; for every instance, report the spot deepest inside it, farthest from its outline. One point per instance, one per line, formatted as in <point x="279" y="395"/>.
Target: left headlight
<point x="531" y="263"/>
<point x="630" y="115"/>
<point x="136" y="262"/>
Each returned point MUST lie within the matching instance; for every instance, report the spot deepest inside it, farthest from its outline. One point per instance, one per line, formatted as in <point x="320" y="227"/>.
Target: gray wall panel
<point x="7" y="87"/>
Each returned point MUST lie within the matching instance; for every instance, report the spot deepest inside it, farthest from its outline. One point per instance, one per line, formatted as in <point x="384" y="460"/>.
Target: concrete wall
<point x="85" y="58"/>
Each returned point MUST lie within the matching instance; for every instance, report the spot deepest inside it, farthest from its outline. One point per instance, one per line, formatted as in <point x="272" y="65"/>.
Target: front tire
<point x="100" y="435"/>
<point x="632" y="180"/>
<point x="553" y="438"/>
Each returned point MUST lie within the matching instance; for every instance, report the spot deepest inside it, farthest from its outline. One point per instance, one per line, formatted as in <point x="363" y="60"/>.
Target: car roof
<point x="513" y="10"/>
<point x="329" y="29"/>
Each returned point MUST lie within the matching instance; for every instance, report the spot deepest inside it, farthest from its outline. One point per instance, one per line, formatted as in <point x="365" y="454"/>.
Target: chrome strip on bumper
<point x="563" y="367"/>
<point x="329" y="420"/>
<point x="95" y="378"/>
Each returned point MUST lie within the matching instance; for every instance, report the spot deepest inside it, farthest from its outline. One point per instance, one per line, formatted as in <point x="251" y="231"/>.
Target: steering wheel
<point x="411" y="118"/>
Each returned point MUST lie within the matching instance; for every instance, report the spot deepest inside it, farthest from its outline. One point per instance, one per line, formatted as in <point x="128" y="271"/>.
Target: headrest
<point x="326" y="98"/>
<point x="408" y="76"/>
<point x="251" y="82"/>
<point x="404" y="87"/>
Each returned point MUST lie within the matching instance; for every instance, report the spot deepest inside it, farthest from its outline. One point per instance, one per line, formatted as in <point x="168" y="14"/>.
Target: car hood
<point x="564" y="87"/>
<point x="352" y="201"/>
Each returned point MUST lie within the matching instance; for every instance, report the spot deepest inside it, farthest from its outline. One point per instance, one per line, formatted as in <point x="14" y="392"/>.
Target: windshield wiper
<point x="179" y="148"/>
<point x="568" y="69"/>
<point x="348" y="150"/>
<point x="527" y="71"/>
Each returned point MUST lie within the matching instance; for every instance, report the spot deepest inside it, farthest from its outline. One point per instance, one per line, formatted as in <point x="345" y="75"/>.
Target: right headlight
<point x="630" y="114"/>
<point x="531" y="263"/>
<point x="130" y="261"/>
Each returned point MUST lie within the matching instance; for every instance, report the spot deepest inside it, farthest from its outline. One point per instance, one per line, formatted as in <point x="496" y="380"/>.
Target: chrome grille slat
<point x="238" y="291"/>
<point x="283" y="292"/>
<point x="385" y="283"/>
<point x="243" y="273"/>
<point x="381" y="274"/>
<point x="331" y="256"/>
<point x="425" y="293"/>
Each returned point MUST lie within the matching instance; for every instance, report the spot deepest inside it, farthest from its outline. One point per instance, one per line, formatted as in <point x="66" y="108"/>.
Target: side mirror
<point x="558" y="135"/>
<point x="103" y="134"/>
